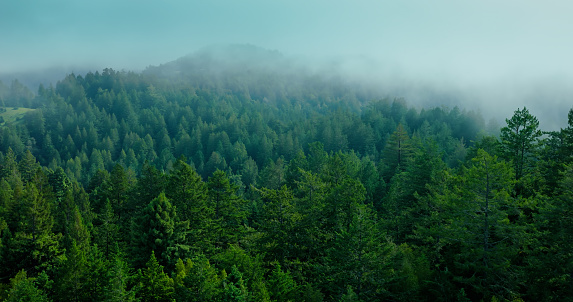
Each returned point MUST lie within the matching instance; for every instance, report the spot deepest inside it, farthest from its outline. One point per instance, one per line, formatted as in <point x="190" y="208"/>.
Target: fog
<point x="494" y="56"/>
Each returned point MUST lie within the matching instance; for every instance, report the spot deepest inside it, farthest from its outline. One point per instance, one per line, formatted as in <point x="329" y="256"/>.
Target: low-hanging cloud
<point x="492" y="55"/>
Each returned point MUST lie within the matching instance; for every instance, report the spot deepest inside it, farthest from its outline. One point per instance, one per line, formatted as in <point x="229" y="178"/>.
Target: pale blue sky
<point x="450" y="42"/>
<point x="452" y="36"/>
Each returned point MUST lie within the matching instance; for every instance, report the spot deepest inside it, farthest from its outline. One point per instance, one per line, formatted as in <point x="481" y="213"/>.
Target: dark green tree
<point x="278" y="224"/>
<point x="154" y="283"/>
<point x="119" y="275"/>
<point x="397" y="152"/>
<point x="474" y="230"/>
<point x="520" y="142"/>
<point x="196" y="280"/>
<point x="24" y="289"/>
<point x="359" y="257"/>
<point x="158" y="229"/>
<point x="188" y="193"/>
<point x="229" y="212"/>
<point x="234" y="289"/>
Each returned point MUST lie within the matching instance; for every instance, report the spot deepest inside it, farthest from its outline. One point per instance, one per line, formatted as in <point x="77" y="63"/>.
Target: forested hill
<point x="218" y="113"/>
<point x="254" y="73"/>
<point x="236" y="174"/>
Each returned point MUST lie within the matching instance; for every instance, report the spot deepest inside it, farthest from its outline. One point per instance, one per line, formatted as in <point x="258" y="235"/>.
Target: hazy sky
<point x="503" y="47"/>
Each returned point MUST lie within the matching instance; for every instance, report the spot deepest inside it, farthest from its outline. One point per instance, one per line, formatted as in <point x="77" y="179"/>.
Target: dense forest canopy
<point x="236" y="175"/>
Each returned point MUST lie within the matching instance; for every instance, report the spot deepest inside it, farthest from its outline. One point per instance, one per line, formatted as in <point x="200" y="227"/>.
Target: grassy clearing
<point x="12" y="115"/>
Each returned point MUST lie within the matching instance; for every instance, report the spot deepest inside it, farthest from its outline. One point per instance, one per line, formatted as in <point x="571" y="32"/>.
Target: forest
<point x="248" y="179"/>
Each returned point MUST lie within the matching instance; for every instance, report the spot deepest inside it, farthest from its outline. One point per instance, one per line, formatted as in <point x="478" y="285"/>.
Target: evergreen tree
<point x="228" y="209"/>
<point x="83" y="274"/>
<point x="154" y="283"/>
<point x="23" y="289"/>
<point x="188" y="193"/>
<point x="519" y="140"/>
<point x="397" y="152"/>
<point x="360" y="257"/>
<point x="234" y="289"/>
<point x="107" y="230"/>
<point x="116" y="189"/>
<point x="282" y="286"/>
<point x="472" y="230"/>
<point x="32" y="245"/>
<point x="158" y="229"/>
<point x="196" y="280"/>
<point x="278" y="223"/>
<point x="150" y="183"/>
<point x="119" y="276"/>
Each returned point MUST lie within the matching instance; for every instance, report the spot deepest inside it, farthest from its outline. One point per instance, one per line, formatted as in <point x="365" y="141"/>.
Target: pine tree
<point x="520" y="141"/>
<point x="228" y="209"/>
<point x="397" y="152"/>
<point x="154" y="283"/>
<point x="28" y="166"/>
<point x="116" y="189"/>
<point x="196" y="280"/>
<point x="234" y="289"/>
<point x="158" y="229"/>
<point x="360" y="257"/>
<point x="73" y="274"/>
<point x="282" y="286"/>
<point x="188" y="193"/>
<point x="278" y="224"/>
<point x="119" y="276"/>
<point x="474" y="229"/>
<point x="24" y="289"/>
<point x="107" y="231"/>
<point x="34" y="246"/>
<point x="149" y="185"/>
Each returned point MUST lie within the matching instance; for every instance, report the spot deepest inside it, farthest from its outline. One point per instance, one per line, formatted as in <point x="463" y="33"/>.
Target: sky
<point x="507" y="53"/>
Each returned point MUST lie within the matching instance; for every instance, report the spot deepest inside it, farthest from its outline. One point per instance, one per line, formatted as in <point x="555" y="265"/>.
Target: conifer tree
<point x="72" y="278"/>
<point x="196" y="280"/>
<point x="188" y="193"/>
<point x="107" y="231"/>
<point x="119" y="276"/>
<point x="228" y="209"/>
<point x="397" y="152"/>
<point x="234" y="289"/>
<point x="360" y="257"/>
<point x="278" y="223"/>
<point x="520" y="142"/>
<point x="158" y="229"/>
<point x="154" y="283"/>
<point x="473" y="232"/>
<point x="282" y="286"/>
<point x="23" y="288"/>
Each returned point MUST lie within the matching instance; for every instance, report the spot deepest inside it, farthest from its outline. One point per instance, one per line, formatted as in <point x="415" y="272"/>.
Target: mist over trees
<point x="235" y="175"/>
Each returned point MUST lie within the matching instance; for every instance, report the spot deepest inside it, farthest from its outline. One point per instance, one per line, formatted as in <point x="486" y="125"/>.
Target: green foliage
<point x="314" y="191"/>
<point x="282" y="286"/>
<point x="476" y="235"/>
<point x="188" y="193"/>
<point x="234" y="289"/>
<point x="154" y="284"/>
<point x="520" y="142"/>
<point x="227" y="208"/>
<point x="197" y="280"/>
<point x="159" y="229"/>
<point x="120" y="277"/>
<point x="397" y="152"/>
<point x="14" y="116"/>
<point x="278" y="223"/>
<point x="23" y="289"/>
<point x="360" y="257"/>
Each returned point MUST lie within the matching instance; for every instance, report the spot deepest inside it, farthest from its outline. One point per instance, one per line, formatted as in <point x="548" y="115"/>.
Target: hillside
<point x="10" y="116"/>
<point x="234" y="174"/>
